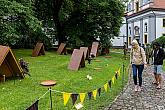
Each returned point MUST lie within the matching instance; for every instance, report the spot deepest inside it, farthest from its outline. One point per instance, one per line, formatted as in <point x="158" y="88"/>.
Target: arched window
<point x="136" y="30"/>
<point x="145" y="28"/>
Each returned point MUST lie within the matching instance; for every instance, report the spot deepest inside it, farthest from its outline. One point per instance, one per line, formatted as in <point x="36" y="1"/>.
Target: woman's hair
<point x="135" y="42"/>
<point x="156" y="44"/>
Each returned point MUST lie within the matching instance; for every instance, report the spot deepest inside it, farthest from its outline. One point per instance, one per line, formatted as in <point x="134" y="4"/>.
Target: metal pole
<point x="123" y="78"/>
<point x="50" y="98"/>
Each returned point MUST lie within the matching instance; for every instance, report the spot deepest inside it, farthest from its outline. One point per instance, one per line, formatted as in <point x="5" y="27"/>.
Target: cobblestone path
<point x="149" y="98"/>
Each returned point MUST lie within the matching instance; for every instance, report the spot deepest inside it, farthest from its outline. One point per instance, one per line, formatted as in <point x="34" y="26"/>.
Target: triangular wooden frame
<point x="62" y="49"/>
<point x="77" y="60"/>
<point x="94" y="49"/>
<point x="38" y="50"/>
<point x="8" y="63"/>
<point x="86" y="52"/>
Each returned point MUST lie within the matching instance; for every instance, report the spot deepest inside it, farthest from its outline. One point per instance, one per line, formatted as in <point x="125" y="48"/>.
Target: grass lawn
<point x="20" y="94"/>
<point x="117" y="50"/>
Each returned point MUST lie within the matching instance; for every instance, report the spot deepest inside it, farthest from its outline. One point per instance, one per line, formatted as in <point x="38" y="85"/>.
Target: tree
<point x="17" y="21"/>
<point x="82" y="22"/>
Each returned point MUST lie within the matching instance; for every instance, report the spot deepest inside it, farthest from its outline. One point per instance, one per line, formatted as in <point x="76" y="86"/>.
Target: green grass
<point x="19" y="94"/>
<point x="116" y="50"/>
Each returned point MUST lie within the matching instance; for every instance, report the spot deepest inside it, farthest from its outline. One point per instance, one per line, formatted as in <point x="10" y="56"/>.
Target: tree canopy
<point x="77" y="22"/>
<point x="15" y="20"/>
<point x="82" y="22"/>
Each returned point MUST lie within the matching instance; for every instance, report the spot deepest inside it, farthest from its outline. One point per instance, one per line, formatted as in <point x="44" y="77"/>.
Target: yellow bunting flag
<point x="66" y="97"/>
<point x="113" y="79"/>
<point x="119" y="72"/>
<point x="82" y="97"/>
<point x="94" y="94"/>
<point x="106" y="87"/>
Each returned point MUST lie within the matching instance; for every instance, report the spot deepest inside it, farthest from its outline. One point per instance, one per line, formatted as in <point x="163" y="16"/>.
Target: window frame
<point x="145" y="39"/>
<point x="163" y="22"/>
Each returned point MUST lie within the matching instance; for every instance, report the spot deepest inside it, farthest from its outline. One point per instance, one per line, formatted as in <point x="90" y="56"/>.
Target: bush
<point x="160" y="40"/>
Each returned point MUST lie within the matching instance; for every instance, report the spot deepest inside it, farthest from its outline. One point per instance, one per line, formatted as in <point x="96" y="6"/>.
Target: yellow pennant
<point x="106" y="87"/>
<point x="82" y="97"/>
<point x="119" y="72"/>
<point x="94" y="94"/>
<point x="66" y="97"/>
<point x="113" y="79"/>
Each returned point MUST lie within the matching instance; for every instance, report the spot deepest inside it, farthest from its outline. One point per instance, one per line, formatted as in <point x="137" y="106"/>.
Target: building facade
<point x="145" y="20"/>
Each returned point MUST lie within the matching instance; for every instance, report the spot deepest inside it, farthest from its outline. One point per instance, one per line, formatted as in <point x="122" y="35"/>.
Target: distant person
<point x="158" y="56"/>
<point x="138" y="61"/>
<point x="148" y="51"/>
<point x="143" y="46"/>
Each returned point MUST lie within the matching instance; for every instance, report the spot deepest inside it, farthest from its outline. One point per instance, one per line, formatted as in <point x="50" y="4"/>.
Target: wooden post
<point x="4" y="78"/>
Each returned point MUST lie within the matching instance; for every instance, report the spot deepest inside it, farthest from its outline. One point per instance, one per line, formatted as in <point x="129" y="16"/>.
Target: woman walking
<point x="138" y="61"/>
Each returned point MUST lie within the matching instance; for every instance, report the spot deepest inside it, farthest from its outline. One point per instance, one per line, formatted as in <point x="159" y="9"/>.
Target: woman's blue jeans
<point x="137" y="69"/>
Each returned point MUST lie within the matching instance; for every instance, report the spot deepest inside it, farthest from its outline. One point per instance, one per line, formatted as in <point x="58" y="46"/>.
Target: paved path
<point x="148" y="99"/>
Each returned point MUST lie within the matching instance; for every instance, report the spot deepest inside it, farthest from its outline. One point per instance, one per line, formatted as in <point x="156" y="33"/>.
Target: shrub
<point x="160" y="40"/>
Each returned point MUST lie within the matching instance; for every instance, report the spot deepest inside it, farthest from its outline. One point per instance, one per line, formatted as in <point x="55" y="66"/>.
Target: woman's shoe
<point x="139" y="88"/>
<point x="155" y="83"/>
<point x="158" y="87"/>
<point x="136" y="88"/>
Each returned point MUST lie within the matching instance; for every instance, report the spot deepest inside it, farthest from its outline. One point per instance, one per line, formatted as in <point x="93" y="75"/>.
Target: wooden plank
<point x="62" y="48"/>
<point x="94" y="48"/>
<point x="5" y="69"/>
<point x="77" y="60"/>
<point x="14" y="64"/>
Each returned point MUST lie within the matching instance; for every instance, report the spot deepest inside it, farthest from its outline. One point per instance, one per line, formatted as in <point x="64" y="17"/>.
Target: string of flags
<point x="66" y="96"/>
<point x="74" y="96"/>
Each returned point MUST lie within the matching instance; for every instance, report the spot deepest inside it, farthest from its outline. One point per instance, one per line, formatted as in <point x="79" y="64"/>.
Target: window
<point x="129" y="40"/>
<point x="136" y="30"/>
<point x="145" y="2"/>
<point x="145" y="28"/>
<point x="137" y="6"/>
<point x="129" y="7"/>
<point x="145" y="39"/>
<point x="164" y="22"/>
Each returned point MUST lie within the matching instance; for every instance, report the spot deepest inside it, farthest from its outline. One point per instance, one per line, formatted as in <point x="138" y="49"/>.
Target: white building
<point x="145" y="21"/>
<point x="119" y="40"/>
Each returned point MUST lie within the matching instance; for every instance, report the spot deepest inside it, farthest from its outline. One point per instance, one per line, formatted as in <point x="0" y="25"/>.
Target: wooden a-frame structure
<point x="38" y="50"/>
<point x="9" y="66"/>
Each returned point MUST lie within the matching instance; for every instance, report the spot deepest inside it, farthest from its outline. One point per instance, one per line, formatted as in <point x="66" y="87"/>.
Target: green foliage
<point x="82" y="21"/>
<point x="93" y="19"/>
<point x="17" y="22"/>
<point x="161" y="40"/>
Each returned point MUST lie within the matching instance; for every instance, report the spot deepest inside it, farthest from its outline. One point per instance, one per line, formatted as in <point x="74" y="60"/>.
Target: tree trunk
<point x="56" y="6"/>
